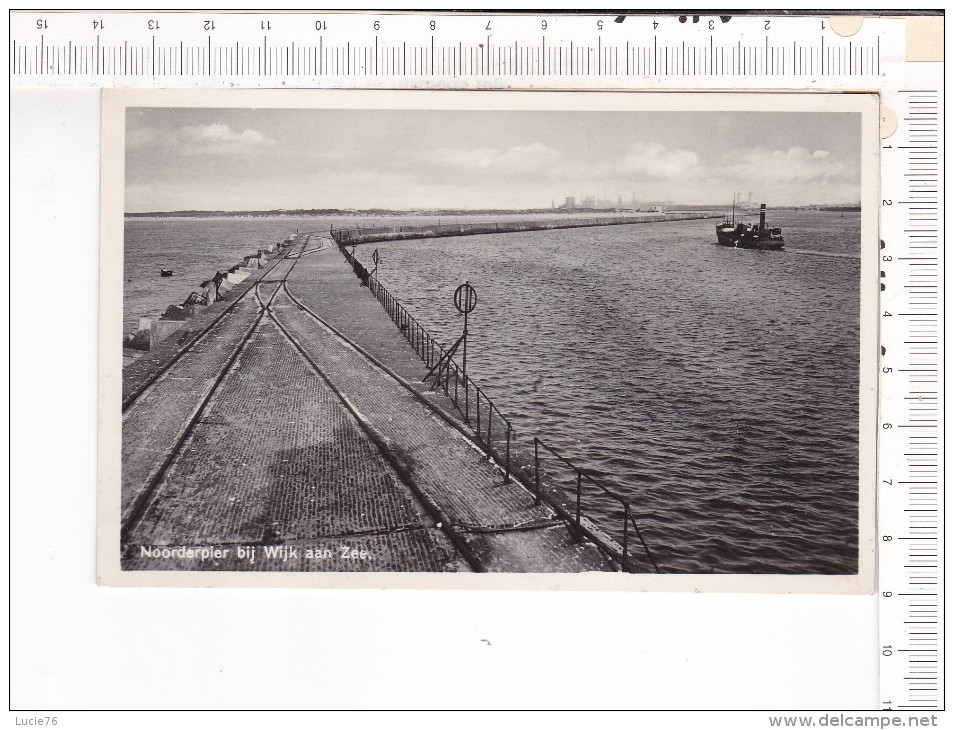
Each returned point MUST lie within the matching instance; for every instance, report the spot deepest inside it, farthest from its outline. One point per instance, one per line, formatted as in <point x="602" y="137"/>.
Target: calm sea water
<point x="717" y="388"/>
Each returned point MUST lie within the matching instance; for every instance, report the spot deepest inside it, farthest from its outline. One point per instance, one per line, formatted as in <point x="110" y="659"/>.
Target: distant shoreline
<point x="363" y="213"/>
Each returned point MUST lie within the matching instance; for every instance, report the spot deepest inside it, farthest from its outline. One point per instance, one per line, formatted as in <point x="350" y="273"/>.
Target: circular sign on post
<point x="465" y="298"/>
<point x="375" y="257"/>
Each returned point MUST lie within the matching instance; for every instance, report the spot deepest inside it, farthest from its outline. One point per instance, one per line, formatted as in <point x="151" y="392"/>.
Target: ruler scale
<point x="326" y="58"/>
<point x="475" y="51"/>
<point x="150" y="49"/>
<point x="911" y="500"/>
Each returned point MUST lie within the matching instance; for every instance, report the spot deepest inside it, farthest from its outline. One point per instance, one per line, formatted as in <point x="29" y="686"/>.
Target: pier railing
<point x="358" y="234"/>
<point x="585" y="489"/>
<point x="492" y="428"/>
<point x="496" y="435"/>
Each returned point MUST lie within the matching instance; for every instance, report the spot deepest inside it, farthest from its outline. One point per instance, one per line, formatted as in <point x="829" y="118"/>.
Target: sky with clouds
<point x="261" y="159"/>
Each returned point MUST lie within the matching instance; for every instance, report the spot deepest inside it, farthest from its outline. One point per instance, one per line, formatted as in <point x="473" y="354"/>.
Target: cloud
<point x="796" y="164"/>
<point x="654" y="160"/>
<point x="201" y="139"/>
<point x="216" y="137"/>
<point x="512" y="160"/>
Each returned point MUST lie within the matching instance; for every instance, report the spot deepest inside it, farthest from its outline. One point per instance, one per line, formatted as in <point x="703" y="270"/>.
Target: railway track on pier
<point x="133" y="506"/>
<point x="150" y="494"/>
<point x="135" y="392"/>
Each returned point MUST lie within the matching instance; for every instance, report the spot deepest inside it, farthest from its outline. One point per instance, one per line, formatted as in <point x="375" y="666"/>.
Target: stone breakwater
<point x="350" y="236"/>
<point x="153" y="331"/>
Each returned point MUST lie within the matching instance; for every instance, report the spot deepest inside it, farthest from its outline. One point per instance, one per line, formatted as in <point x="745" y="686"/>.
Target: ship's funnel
<point x="762" y="217"/>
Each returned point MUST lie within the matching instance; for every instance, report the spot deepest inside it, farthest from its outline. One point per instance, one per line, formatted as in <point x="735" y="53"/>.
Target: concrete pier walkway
<point x="297" y="426"/>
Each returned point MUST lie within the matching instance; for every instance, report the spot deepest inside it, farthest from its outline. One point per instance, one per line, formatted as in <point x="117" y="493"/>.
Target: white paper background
<point x="75" y="646"/>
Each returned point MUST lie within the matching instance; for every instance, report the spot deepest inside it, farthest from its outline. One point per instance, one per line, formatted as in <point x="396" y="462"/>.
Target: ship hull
<point x="744" y="237"/>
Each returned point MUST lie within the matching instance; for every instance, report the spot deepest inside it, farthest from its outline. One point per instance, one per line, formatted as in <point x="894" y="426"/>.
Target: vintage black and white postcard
<point x="486" y="339"/>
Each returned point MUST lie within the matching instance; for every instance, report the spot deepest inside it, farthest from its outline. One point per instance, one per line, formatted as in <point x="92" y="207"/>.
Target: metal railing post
<point x="536" y="467"/>
<point x="579" y="494"/>
<point x="456" y="385"/>
<point x="509" y="429"/>
<point x="477" y="407"/>
<point x="648" y="552"/>
<point x="625" y="534"/>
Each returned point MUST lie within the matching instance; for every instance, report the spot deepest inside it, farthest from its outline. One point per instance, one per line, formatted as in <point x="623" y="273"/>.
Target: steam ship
<point x="743" y="235"/>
